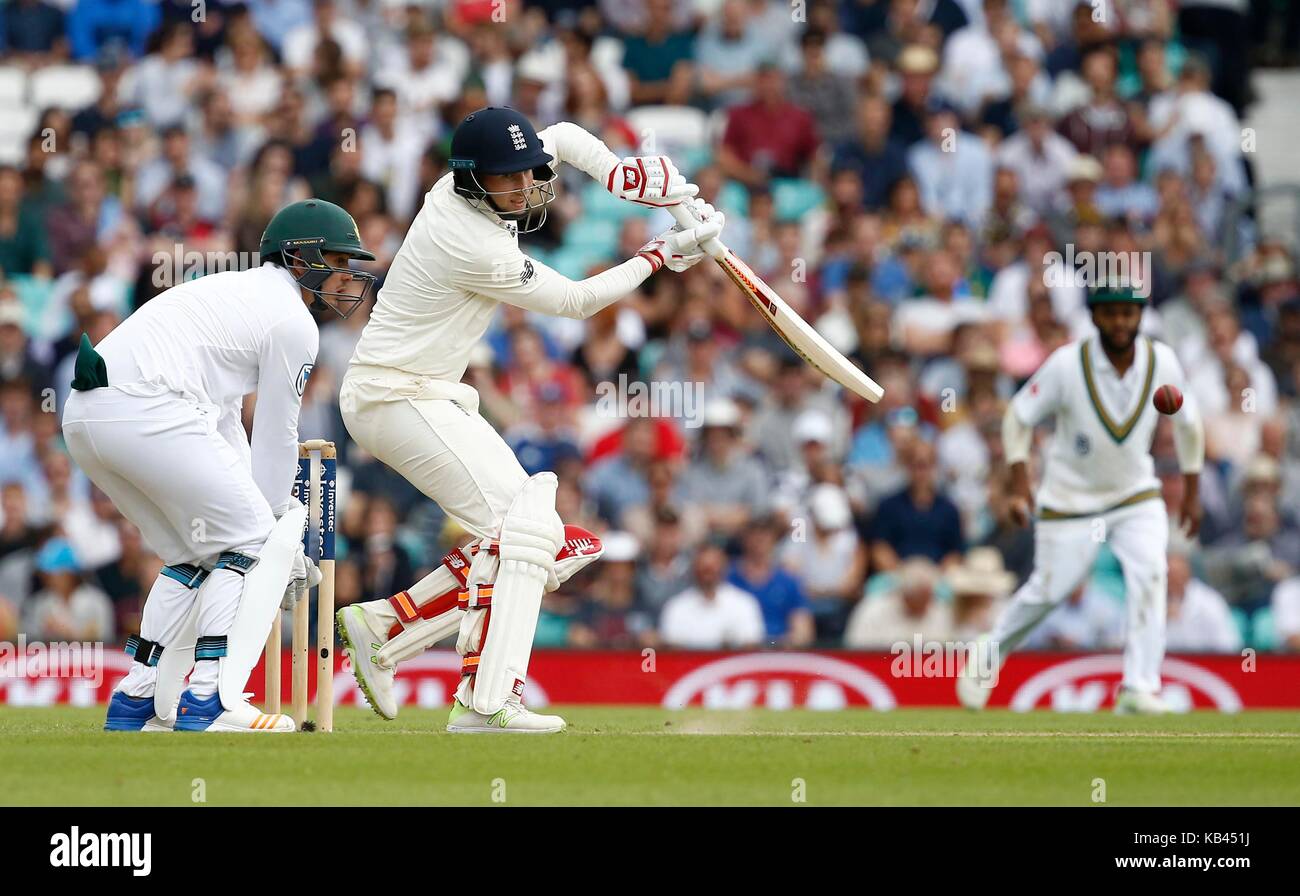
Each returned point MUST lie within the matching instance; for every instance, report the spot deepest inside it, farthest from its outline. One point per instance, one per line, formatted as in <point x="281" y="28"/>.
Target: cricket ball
<point x="1167" y="399"/>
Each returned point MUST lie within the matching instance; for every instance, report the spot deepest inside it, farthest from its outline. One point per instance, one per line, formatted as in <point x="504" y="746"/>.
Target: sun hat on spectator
<point x="1262" y="470"/>
<point x="1031" y="110"/>
<point x="982" y="572"/>
<point x="813" y="426"/>
<point x="830" y="507"/>
<point x="721" y="413"/>
<point x="1084" y="168"/>
<point x="11" y="314"/>
<point x="918" y="60"/>
<point x="56" y="556"/>
<point x="620" y="547"/>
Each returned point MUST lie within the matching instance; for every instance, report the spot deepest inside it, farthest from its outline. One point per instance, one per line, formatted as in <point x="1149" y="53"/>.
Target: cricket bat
<point x="797" y="333"/>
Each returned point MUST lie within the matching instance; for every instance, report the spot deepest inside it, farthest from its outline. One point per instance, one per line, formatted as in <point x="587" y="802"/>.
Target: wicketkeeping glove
<point x="305" y="576"/>
<point x="649" y="180"/>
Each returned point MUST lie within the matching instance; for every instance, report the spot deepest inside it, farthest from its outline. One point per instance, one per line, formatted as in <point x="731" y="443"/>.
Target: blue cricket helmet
<point x="500" y="140"/>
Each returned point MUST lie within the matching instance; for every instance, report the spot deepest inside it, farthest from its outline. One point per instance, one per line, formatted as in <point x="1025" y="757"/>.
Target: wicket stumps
<point x="325" y="501"/>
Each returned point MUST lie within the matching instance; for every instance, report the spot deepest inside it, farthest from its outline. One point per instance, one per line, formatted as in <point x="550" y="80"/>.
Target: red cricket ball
<point x="1167" y="399"/>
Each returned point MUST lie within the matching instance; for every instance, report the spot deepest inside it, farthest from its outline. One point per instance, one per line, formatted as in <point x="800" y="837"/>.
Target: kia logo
<point x="736" y="682"/>
<point x="1068" y="686"/>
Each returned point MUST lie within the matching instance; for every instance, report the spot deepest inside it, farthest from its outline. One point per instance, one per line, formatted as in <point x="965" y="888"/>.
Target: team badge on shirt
<point x="1082" y="444"/>
<point x="527" y="273"/>
<point x="303" y="376"/>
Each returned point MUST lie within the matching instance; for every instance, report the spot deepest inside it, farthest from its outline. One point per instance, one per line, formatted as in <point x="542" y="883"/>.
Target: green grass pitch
<point x="647" y="756"/>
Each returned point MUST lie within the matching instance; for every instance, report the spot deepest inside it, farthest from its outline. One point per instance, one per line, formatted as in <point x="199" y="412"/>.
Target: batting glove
<point x="679" y="249"/>
<point x="649" y="180"/>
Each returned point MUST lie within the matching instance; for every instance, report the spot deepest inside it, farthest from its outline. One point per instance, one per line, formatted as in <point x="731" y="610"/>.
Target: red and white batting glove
<point x="679" y="249"/>
<point x="649" y="180"/>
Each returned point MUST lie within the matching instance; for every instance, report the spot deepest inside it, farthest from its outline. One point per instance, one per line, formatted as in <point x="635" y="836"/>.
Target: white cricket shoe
<point x="359" y="632"/>
<point x="513" y="718"/>
<point x="974" y="687"/>
<point x="207" y="714"/>
<point x="1134" y="703"/>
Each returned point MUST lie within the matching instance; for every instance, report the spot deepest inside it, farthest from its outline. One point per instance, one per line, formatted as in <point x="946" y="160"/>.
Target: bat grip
<point x="682" y="215"/>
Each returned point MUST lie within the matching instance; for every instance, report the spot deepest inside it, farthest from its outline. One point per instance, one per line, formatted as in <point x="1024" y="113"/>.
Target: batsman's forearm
<point x="582" y="150"/>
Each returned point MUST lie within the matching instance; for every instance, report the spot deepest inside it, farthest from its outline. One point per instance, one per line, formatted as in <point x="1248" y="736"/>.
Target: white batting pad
<point x="531" y="536"/>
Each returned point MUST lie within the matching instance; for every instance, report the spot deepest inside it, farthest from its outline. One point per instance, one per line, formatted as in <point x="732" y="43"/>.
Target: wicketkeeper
<point x="155" y="421"/>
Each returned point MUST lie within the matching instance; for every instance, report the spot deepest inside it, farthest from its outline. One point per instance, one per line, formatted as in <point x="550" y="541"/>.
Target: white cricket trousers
<point x="1064" y="553"/>
<point x="189" y="490"/>
<point x="430" y="431"/>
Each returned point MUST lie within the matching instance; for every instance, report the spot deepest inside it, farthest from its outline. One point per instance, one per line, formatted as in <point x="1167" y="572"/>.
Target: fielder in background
<point x="1099" y="486"/>
<point x="155" y="421"/>
<point x="402" y="400"/>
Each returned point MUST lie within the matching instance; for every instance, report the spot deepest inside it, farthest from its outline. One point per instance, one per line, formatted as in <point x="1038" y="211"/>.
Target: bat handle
<point x="682" y="215"/>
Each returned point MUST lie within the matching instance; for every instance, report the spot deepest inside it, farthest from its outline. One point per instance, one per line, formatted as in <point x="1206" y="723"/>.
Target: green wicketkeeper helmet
<point x="301" y="233"/>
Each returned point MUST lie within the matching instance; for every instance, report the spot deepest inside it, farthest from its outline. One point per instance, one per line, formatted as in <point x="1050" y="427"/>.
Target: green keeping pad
<point x="90" y="371"/>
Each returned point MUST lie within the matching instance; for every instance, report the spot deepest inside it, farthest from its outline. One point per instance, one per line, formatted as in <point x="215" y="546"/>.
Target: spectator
<point x="392" y="149"/>
<point x="725" y="478"/>
<point x="1089" y="619"/>
<point x="1199" y="618"/>
<point x="165" y="84"/>
<point x="17" y="361"/>
<point x="177" y="159"/>
<point x="880" y="160"/>
<point x="786" y="616"/>
<point x="712" y="614"/>
<point x="917" y="65"/>
<point x="33" y="31"/>
<point x="919" y="520"/>
<point x="664" y="570"/>
<point x="952" y="167"/>
<point x="908" y="610"/>
<point x="620" y="482"/>
<point x="23" y="247"/>
<point x="727" y="54"/>
<point x="979" y="586"/>
<point x="302" y="42"/>
<point x="613" y="618"/>
<point x="824" y="90"/>
<point x="17" y="530"/>
<point x="1039" y="157"/>
<point x="94" y="24"/>
<point x="1120" y="193"/>
<point x="1246" y="566"/>
<point x="66" y="608"/>
<point x="427" y="74"/>
<point x="768" y="137"/>
<point x="658" y="58"/>
<point x="825" y="555"/>
<point x="1102" y="119"/>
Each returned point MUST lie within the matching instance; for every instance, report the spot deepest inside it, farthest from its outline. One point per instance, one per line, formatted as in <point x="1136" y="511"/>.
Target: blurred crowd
<point x="914" y="176"/>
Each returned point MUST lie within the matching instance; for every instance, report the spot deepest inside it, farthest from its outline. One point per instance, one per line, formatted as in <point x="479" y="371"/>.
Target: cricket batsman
<point x="1099" y="485"/>
<point x="155" y="421"/>
<point x="402" y="400"/>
